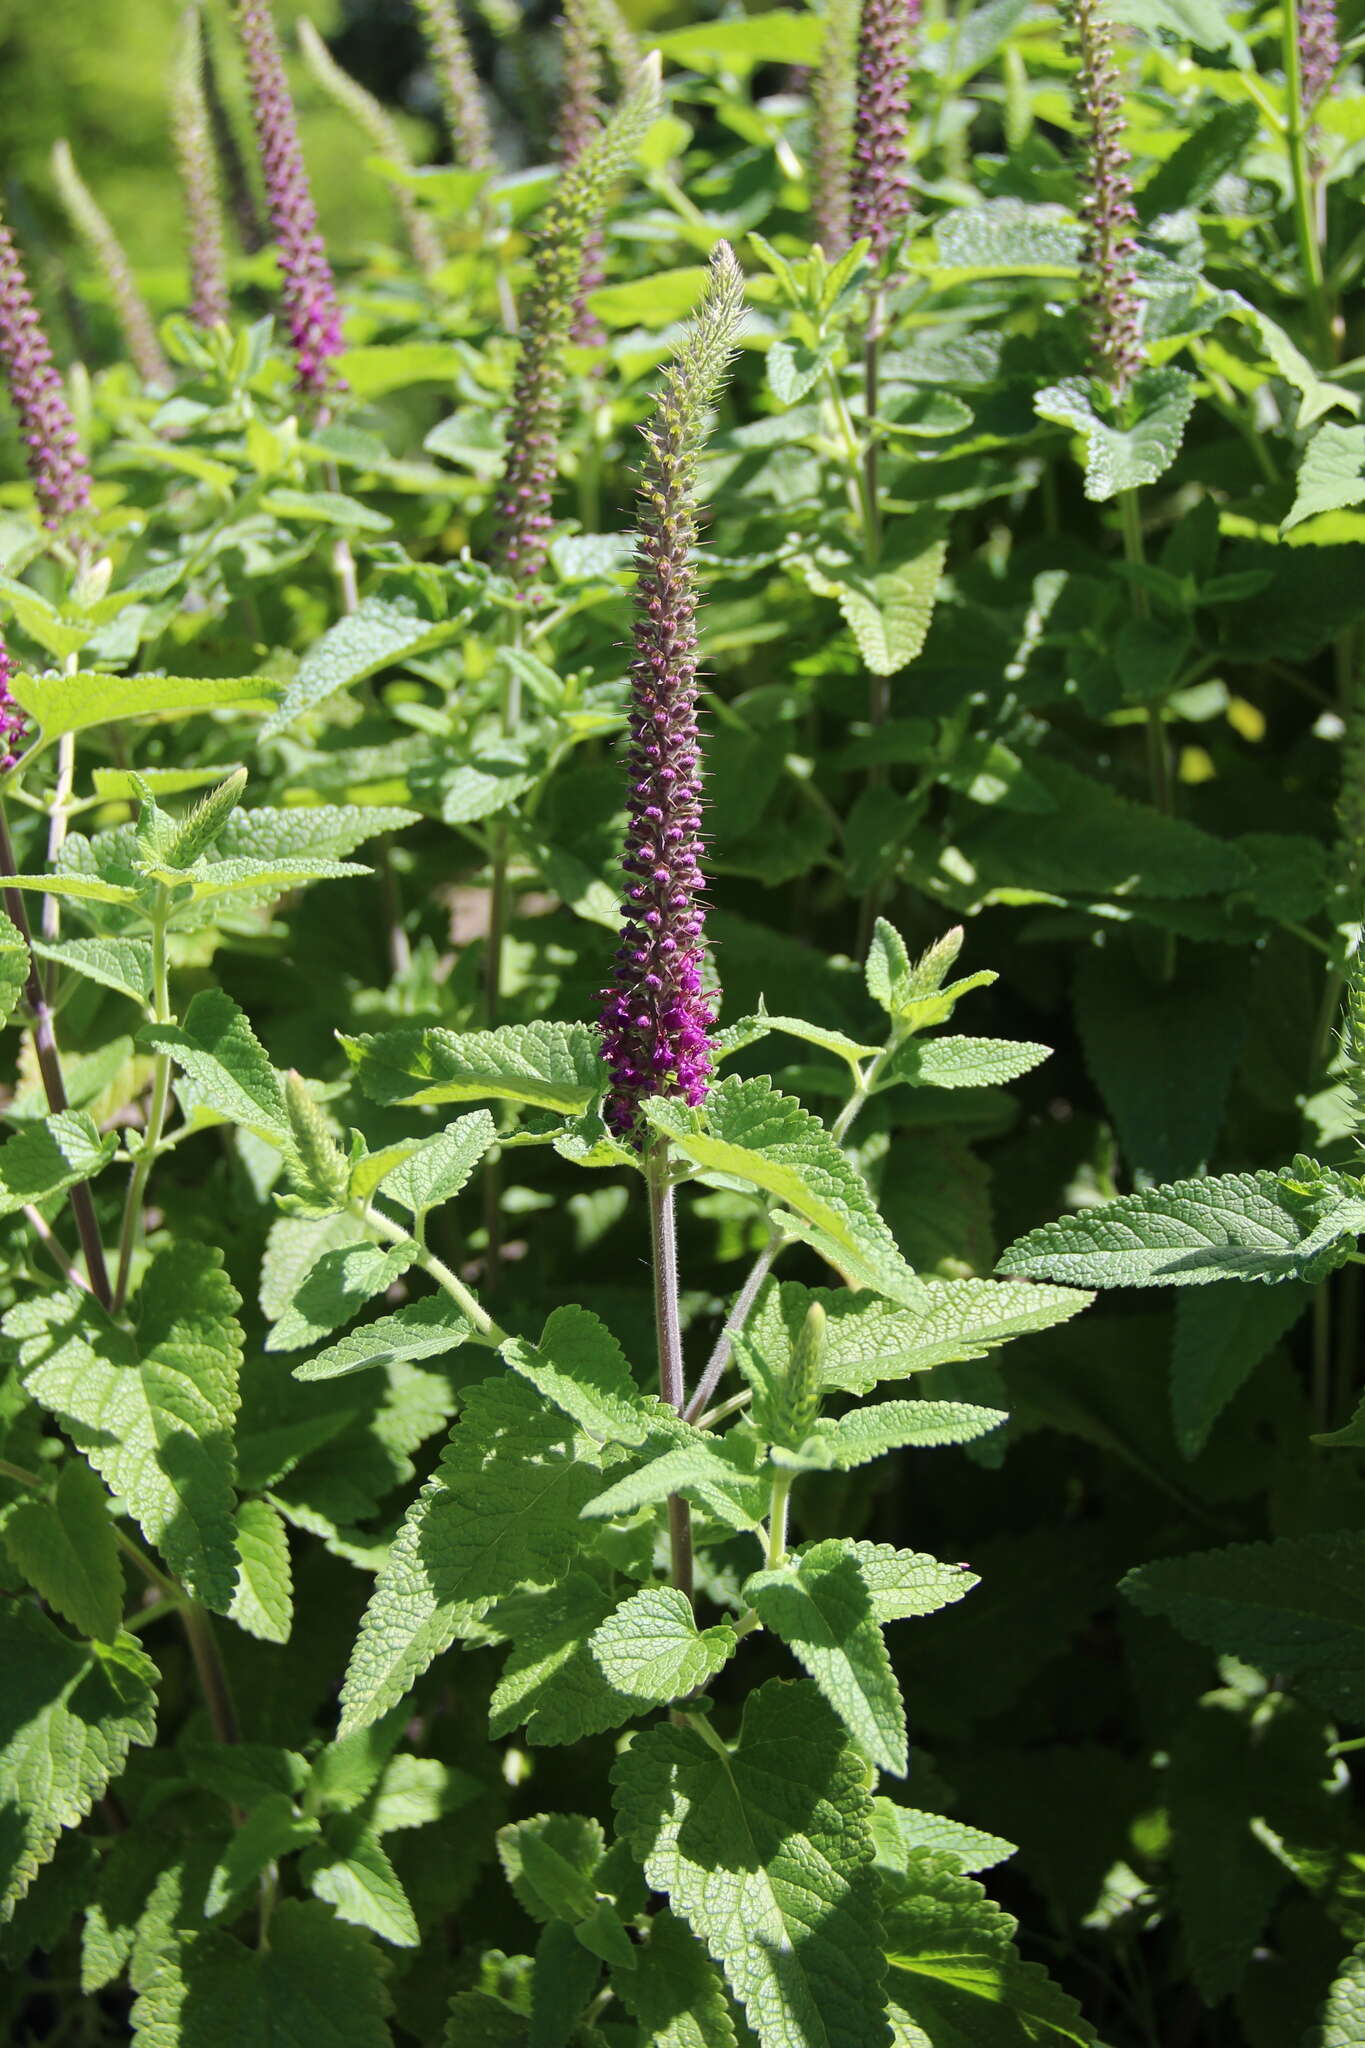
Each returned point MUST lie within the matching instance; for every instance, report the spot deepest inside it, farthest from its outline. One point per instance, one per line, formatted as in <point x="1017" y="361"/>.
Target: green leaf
<point x="1190" y="173"/>
<point x="50" y="1155"/>
<point x="550" y="1066"/>
<point x="955" y="1978"/>
<point x="1331" y="475"/>
<point x="317" y="1981"/>
<point x="397" y="366"/>
<point x="501" y="1511"/>
<point x="899" y="1831"/>
<point x="718" y="1476"/>
<point x="271" y="1831"/>
<point x="749" y="1130"/>
<point x="1221" y="1335"/>
<point x="867" y="1340"/>
<point x="579" y="1366"/>
<point x="1238" y="1226"/>
<point x="821" y="1607"/>
<point x="263" y="1603"/>
<point x="478" y="2020"/>
<point x="551" y="1863"/>
<point x="441" y="1165"/>
<point x="551" y="1683"/>
<point x="336" y="1288"/>
<point x="324" y="831"/>
<point x="350" y="1868"/>
<point x="121" y="964"/>
<point x="1294" y="1608"/>
<point x="1135" y="449"/>
<point x="69" y="1713"/>
<point x="794" y="369"/>
<point x="676" y="1992"/>
<point x="63" y="704"/>
<point x="430" y="1328"/>
<point x="766" y="1851"/>
<point x="869" y="1433"/>
<point x="651" y="1649"/>
<point x="152" y="1407"/>
<point x="226" y="1063"/>
<point x="1003" y="238"/>
<point x="904" y="1584"/>
<point x="778" y="36"/>
<point x="326" y="508"/>
<point x="66" y="1549"/>
<point x="961" y="1062"/>
<point x="375" y="636"/>
<point x="888" y="610"/>
<point x="13" y="966"/>
<point x="1343" y="2015"/>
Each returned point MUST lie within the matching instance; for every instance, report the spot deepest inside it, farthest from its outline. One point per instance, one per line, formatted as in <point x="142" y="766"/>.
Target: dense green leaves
<point x="551" y="1066"/>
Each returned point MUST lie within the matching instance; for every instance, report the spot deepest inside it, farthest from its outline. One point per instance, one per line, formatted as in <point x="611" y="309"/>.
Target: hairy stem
<point x="668" y="1332"/>
<point x="1158" y="755"/>
<point x="486" y="1331"/>
<point x="777" y="1518"/>
<point x="156" y="1114"/>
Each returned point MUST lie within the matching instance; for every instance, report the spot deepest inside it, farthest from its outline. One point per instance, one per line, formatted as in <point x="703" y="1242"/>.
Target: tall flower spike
<point x="309" y="289"/>
<point x="656" y="1021"/>
<point x="458" y="84"/>
<point x="13" y="724"/>
<point x="1319" y="49"/>
<point x="880" y="198"/>
<point x="130" y="308"/>
<point x="52" y="449"/>
<point x="617" y="38"/>
<point x="831" y="140"/>
<point x="373" y="120"/>
<point x="241" y="200"/>
<point x="193" y="135"/>
<point x="1106" y="205"/>
<point x="574" y="210"/>
<point x="579" y="121"/>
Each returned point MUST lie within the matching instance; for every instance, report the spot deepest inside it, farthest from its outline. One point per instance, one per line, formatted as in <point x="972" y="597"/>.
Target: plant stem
<point x="492" y="986"/>
<point x="57" y="821"/>
<point x="668" y="1332"/>
<point x="208" y="1664"/>
<point x="1158" y="756"/>
<point x="50" y="1068"/>
<point x="777" y="1518"/>
<point x="156" y="1114"/>
<point x="1305" y="217"/>
<point x="55" y="1250"/>
<point x="486" y="1331"/>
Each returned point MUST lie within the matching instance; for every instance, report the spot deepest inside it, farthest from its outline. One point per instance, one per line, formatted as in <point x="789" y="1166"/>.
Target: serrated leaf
<point x="1343" y="2015"/>
<point x="868" y="1433"/>
<point x="478" y="2020"/>
<point x="551" y="1862"/>
<point x="1237" y="1226"/>
<point x="243" y="877"/>
<point x="124" y="965"/>
<point x="71" y="703"/>
<point x="13" y="966"/>
<point x="372" y="637"/>
<point x="152" y="1408"/>
<point x="1004" y="237"/>
<point x="904" y="1584"/>
<point x="501" y="1511"/>
<point x="441" y="1165"/>
<point x="335" y="1288"/>
<point x="272" y="1830"/>
<point x="325" y="831"/>
<point x="888" y="610"/>
<point x="1138" y="448"/>
<point x="766" y="1853"/>
<point x="1295" y="1608"/>
<point x="717" y="1475"/>
<point x="1331" y="475"/>
<point x="351" y="1869"/>
<point x="263" y="1603"/>
<point x="69" y="1713"/>
<point x="1221" y="1335"/>
<point x="821" y="1607"/>
<point x="551" y="1683"/>
<point x="899" y="1831"/>
<point x="650" y="1647"/>
<point x="430" y="1328"/>
<point x="66" y="1549"/>
<point x="550" y="1066"/>
<point x="675" y="1992"/>
<point x="794" y="368"/>
<point x="751" y="1131"/>
<point x="227" y="1064"/>
<point x="955" y="1978"/>
<point x="50" y="1155"/>
<point x="961" y="1062"/>
<point x="579" y="1366"/>
<point x="317" y="1981"/>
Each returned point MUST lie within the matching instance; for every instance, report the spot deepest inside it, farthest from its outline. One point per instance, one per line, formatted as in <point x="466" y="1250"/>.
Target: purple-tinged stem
<point x="668" y="1334"/>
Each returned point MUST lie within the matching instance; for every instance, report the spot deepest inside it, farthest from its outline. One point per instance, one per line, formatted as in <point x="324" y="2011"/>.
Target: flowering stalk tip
<point x="1319" y="50"/>
<point x="13" y="724"/>
<point x="656" y="1020"/>
<point x="309" y="290"/>
<point x="192" y="130"/>
<point x="574" y="210"/>
<point x="880" y="196"/>
<point x="831" y="140"/>
<point x="458" y="84"/>
<point x="373" y="120"/>
<point x="93" y="227"/>
<point x="1108" y="216"/>
<point x="579" y="121"/>
<point x="52" y="449"/>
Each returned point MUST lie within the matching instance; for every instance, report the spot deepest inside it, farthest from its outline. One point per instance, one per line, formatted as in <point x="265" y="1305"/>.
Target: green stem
<point x="1158" y="756"/>
<point x="156" y="1114"/>
<point x="668" y="1334"/>
<point x="1305" y="218"/>
<point x="777" y="1518"/>
<point x="492" y="987"/>
<point x="486" y="1331"/>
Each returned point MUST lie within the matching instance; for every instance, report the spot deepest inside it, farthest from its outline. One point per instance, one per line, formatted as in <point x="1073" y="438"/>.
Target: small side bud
<point x="203" y="824"/>
<point x="805" y="1376"/>
<point x="322" y="1169"/>
<point x="930" y="971"/>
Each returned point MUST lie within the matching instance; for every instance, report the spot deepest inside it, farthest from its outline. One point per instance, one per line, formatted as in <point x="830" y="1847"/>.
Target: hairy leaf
<point x="226" y="1063"/>
<point x="650" y="1647"/>
<point x="49" y="1156"/>
<point x="1140" y="445"/>
<point x="550" y="1066"/>
<point x="821" y="1607"/>
<point x="66" y="1549"/>
<point x="336" y="1288"/>
<point x="429" y="1328"/>
<point x="263" y="1603"/>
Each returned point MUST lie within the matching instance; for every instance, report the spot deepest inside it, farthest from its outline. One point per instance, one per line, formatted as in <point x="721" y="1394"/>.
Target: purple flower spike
<point x="880" y="201"/>
<point x="579" y="122"/>
<point x="13" y="724"/>
<point x="831" y="116"/>
<point x="52" y="449"/>
<point x="656" y="1021"/>
<point x="310" y="299"/>
<point x="1319" y="49"/>
<point x="1106" y="206"/>
<point x="193" y="135"/>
